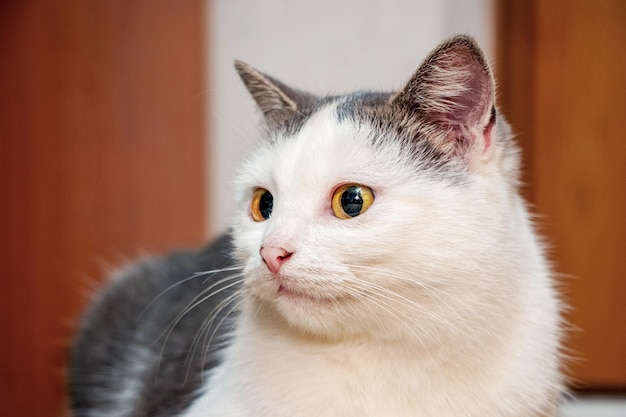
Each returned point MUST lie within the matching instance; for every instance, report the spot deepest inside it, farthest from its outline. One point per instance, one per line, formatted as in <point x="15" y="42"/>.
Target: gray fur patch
<point x="392" y="122"/>
<point x="133" y="356"/>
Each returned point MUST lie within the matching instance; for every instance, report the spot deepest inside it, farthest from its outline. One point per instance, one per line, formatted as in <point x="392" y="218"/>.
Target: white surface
<point x="325" y="46"/>
<point x="595" y="406"/>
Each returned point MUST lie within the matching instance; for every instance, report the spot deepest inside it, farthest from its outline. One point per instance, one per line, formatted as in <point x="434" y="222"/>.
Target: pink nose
<point x="274" y="257"/>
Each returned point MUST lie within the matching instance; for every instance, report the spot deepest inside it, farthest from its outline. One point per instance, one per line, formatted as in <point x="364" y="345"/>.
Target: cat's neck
<point x="260" y="325"/>
<point x="269" y="362"/>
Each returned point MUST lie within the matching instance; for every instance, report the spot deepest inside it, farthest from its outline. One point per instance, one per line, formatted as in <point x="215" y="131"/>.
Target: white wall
<point x="324" y="46"/>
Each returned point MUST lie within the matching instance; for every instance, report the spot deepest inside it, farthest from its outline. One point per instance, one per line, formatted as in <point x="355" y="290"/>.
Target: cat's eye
<point x="350" y="200"/>
<point x="262" y="205"/>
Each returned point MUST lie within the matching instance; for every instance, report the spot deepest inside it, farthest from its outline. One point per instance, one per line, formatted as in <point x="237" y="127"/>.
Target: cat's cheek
<point x="257" y="283"/>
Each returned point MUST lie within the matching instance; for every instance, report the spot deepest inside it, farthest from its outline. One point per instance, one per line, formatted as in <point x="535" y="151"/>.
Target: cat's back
<point x="135" y="354"/>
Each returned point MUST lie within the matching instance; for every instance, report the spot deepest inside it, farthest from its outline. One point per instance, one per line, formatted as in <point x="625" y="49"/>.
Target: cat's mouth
<point x="285" y="291"/>
<point x="293" y="294"/>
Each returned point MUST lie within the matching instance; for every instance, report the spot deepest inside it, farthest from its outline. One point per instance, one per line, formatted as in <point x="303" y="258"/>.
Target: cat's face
<point x="353" y="220"/>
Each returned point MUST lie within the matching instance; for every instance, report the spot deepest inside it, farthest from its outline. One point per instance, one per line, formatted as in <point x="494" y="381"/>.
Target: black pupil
<point x="352" y="201"/>
<point x="266" y="203"/>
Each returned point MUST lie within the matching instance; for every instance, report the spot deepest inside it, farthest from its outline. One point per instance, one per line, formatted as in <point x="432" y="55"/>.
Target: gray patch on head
<point x="357" y="106"/>
<point x="292" y="126"/>
<point x="393" y="123"/>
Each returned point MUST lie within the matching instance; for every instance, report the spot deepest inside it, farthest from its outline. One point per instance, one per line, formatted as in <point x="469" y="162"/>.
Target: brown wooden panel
<point x="515" y="77"/>
<point x="578" y="161"/>
<point x="581" y="166"/>
<point x="101" y="159"/>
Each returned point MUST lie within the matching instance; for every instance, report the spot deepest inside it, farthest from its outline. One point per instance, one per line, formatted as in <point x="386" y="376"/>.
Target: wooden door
<point x="562" y="72"/>
<point x="101" y="160"/>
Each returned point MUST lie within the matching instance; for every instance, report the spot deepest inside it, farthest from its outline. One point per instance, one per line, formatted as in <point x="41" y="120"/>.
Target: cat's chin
<point x="296" y="295"/>
<point x="310" y="312"/>
<point x="284" y="291"/>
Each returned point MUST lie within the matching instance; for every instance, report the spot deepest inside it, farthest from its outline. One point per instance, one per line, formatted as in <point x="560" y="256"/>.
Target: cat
<point x="381" y="262"/>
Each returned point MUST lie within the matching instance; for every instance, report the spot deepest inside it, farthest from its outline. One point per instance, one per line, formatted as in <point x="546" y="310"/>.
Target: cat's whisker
<point x="375" y="291"/>
<point x="208" y="321"/>
<point x="213" y="273"/>
<point x="183" y="281"/>
<point x="199" y="299"/>
<point x="430" y="289"/>
<point x="234" y="308"/>
<point x="196" y="301"/>
<point x="403" y="318"/>
<point x="396" y="298"/>
<point x="206" y="326"/>
<point x="358" y="294"/>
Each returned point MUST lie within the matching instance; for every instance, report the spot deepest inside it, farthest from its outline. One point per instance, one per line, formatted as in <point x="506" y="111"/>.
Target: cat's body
<point x="389" y="266"/>
<point x="125" y="361"/>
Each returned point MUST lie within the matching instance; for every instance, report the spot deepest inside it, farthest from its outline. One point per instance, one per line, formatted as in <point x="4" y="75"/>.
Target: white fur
<point x="456" y="313"/>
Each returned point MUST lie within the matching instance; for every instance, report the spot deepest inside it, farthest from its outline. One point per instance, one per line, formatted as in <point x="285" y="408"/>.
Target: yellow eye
<point x="350" y="200"/>
<point x="262" y="204"/>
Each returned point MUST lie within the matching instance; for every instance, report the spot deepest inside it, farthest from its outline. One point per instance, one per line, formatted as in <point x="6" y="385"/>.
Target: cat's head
<point x="379" y="214"/>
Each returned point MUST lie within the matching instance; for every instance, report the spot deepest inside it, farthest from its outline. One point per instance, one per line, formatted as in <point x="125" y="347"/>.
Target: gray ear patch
<point x="284" y="108"/>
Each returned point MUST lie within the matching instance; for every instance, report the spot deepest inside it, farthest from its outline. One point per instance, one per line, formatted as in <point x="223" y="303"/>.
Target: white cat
<point x="391" y="268"/>
<point x="384" y="265"/>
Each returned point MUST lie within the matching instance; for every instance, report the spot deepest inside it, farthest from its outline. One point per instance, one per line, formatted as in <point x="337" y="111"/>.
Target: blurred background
<point x="122" y="123"/>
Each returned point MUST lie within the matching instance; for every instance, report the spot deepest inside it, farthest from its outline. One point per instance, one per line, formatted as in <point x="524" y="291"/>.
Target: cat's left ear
<point x="278" y="102"/>
<point x="453" y="92"/>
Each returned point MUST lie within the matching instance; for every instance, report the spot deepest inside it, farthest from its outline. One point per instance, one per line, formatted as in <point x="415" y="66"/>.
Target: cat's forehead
<point x="326" y="146"/>
<point x="362" y="106"/>
<point x="329" y="148"/>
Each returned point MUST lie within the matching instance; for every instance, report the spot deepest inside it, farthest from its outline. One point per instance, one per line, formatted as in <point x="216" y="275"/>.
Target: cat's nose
<point x="274" y="257"/>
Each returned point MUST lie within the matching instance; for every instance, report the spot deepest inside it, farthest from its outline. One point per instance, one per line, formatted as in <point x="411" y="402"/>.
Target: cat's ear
<point x="278" y="102"/>
<point x="453" y="92"/>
